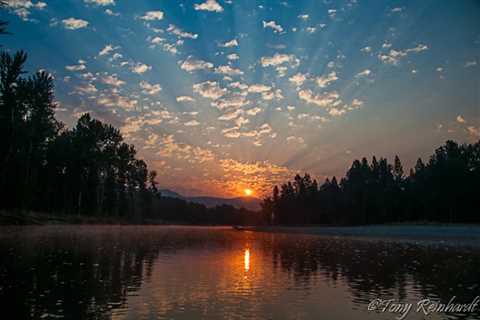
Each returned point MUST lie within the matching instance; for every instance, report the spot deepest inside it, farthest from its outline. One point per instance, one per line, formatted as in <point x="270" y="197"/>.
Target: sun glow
<point x="248" y="192"/>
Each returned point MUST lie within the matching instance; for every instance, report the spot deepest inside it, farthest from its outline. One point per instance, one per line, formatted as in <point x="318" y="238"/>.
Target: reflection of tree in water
<point x="376" y="269"/>
<point x="82" y="275"/>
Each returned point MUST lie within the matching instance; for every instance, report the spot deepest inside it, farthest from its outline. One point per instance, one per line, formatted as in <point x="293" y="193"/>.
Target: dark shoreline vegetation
<point x="88" y="174"/>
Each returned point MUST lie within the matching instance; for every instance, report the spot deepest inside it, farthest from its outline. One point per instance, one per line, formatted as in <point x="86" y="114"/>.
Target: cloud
<point x="185" y="99"/>
<point x="74" y="24"/>
<point x="273" y="25"/>
<point x="209" y="5"/>
<point x="233" y="100"/>
<point x="324" y="81"/>
<point x="191" y="65"/>
<point x="107" y="50"/>
<point x="111" y="13"/>
<point x="233" y="56"/>
<point x="278" y="59"/>
<point x="101" y="2"/>
<point x="116" y="100"/>
<point x="258" y="88"/>
<point x="304" y="17"/>
<point x="191" y="123"/>
<point x="460" y="119"/>
<point x="472" y="63"/>
<point x="140" y="68"/>
<point x="229" y="44"/>
<point x="209" y="89"/>
<point x="227" y="70"/>
<point x="293" y="139"/>
<point x="150" y="89"/>
<point x="474" y="132"/>
<point x="364" y="73"/>
<point x="77" y="67"/>
<point x="393" y="56"/>
<point x="298" y="79"/>
<point x="366" y="49"/>
<point x="86" y="88"/>
<point x="326" y="100"/>
<point x="152" y="15"/>
<point x="113" y="80"/>
<point x="180" y="33"/>
<point x="22" y="7"/>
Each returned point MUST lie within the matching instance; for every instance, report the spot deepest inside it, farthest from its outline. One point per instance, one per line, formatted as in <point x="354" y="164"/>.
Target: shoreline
<point x="388" y="231"/>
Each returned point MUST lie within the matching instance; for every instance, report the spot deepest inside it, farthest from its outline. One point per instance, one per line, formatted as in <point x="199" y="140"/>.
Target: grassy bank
<point x="40" y="218"/>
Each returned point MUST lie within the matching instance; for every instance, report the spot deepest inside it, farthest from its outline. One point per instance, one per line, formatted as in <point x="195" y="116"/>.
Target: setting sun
<point x="248" y="192"/>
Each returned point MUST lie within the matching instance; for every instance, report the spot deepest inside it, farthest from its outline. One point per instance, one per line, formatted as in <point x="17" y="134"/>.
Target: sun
<point x="248" y="192"/>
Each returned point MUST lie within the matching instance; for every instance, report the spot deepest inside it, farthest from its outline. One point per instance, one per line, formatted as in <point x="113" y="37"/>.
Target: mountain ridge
<point x="250" y="203"/>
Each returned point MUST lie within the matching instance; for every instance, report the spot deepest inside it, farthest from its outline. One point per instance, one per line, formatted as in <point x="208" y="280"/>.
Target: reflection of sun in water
<point x="248" y="192"/>
<point x="246" y="259"/>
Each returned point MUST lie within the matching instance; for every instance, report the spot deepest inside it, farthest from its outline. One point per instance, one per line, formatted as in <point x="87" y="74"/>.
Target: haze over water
<point x="111" y="272"/>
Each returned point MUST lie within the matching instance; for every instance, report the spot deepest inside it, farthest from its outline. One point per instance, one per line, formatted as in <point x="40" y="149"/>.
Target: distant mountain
<point x="171" y="194"/>
<point x="249" y="203"/>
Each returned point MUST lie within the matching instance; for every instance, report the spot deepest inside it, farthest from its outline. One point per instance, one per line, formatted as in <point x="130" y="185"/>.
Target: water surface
<point x="157" y="272"/>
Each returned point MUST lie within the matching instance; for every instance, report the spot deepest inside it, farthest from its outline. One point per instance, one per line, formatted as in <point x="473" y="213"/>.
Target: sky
<point x="223" y="95"/>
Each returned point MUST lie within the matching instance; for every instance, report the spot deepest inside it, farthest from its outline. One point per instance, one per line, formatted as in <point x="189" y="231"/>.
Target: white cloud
<point x="86" y="88"/>
<point x="191" y="123"/>
<point x="278" y="59"/>
<point x="209" y="5"/>
<point x="470" y="64"/>
<point x="22" y="7"/>
<point x="113" y="80"/>
<point x="107" y="50"/>
<point x="273" y="25"/>
<point x="303" y="17"/>
<point x="298" y="79"/>
<point x="230" y="44"/>
<point x="233" y="56"/>
<point x="366" y="49"/>
<point x="364" y="73"/>
<point x="326" y="100"/>
<point x="254" y="111"/>
<point x="258" y="88"/>
<point x="393" y="56"/>
<point x="74" y="24"/>
<point x="324" y="81"/>
<point x="111" y="13"/>
<point x="227" y="70"/>
<point x="140" y="68"/>
<point x="77" y="67"/>
<point x="185" y="99"/>
<point x="191" y="65"/>
<point x="209" y="89"/>
<point x="180" y="33"/>
<point x="150" y="89"/>
<point x="116" y="100"/>
<point x="152" y="15"/>
<point x="101" y="2"/>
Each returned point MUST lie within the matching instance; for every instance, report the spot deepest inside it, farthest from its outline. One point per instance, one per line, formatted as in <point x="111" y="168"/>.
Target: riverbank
<point x="410" y="231"/>
<point x="40" y="218"/>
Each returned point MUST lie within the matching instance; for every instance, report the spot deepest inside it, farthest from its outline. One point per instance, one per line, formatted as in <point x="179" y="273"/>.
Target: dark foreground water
<point x="104" y="272"/>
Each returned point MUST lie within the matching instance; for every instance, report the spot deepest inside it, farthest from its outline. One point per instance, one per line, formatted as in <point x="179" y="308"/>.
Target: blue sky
<point x="219" y="96"/>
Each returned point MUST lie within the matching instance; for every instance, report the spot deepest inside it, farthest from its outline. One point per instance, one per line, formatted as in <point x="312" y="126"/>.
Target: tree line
<point x="87" y="170"/>
<point x="445" y="189"/>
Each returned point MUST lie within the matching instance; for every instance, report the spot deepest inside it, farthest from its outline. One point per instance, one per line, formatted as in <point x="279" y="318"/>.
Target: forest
<point x="445" y="189"/>
<point x="88" y="170"/>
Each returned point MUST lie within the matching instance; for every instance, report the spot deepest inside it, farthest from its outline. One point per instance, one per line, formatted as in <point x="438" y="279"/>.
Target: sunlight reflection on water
<point x="217" y="273"/>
